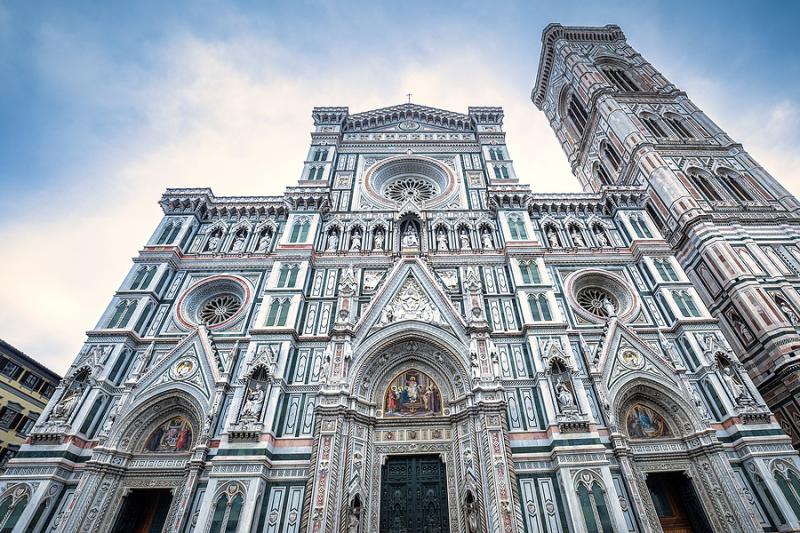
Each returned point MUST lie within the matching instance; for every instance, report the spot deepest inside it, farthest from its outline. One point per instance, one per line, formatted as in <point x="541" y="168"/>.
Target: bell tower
<point x="734" y="228"/>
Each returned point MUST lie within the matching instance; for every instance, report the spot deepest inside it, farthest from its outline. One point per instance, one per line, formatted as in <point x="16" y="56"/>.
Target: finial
<point x="409" y="95"/>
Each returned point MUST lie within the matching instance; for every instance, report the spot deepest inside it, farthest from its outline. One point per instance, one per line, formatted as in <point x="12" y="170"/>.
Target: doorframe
<point x="385" y="456"/>
<point x="400" y="449"/>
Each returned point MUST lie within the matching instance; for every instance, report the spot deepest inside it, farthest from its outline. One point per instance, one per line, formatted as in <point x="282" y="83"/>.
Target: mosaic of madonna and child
<point x="175" y="435"/>
<point x="412" y="393"/>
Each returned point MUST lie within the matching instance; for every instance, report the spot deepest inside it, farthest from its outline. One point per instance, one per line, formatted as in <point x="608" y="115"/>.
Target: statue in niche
<point x="379" y="239"/>
<point x="741" y="329"/>
<point x="253" y="404"/>
<point x="698" y="402"/>
<point x="600" y="235"/>
<point x="410" y="236"/>
<point x="110" y="419"/>
<point x="733" y="382"/>
<point x="354" y="515"/>
<point x="566" y="401"/>
<point x="214" y="240"/>
<point x="355" y="244"/>
<point x="238" y="243"/>
<point x="577" y="238"/>
<point x="441" y="240"/>
<point x="493" y="357"/>
<point x="471" y="512"/>
<point x="63" y="409"/>
<point x="333" y="241"/>
<point x="264" y="242"/>
<point x="791" y="316"/>
<point x="463" y="237"/>
<point x="486" y="239"/>
<point x="552" y="237"/>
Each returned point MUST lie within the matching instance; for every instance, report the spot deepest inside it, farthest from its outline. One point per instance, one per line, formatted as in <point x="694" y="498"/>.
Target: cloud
<point x="232" y="114"/>
<point x="231" y="110"/>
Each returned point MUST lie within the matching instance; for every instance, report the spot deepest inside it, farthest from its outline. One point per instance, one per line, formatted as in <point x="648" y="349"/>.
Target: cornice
<point x="202" y="203"/>
<point x="409" y="111"/>
<point x="555" y="32"/>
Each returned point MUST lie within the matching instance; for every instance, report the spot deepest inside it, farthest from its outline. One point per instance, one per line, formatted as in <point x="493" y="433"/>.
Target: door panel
<point x="414" y="495"/>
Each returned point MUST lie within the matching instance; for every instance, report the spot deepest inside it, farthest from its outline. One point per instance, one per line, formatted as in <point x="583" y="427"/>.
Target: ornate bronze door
<point x="414" y="495"/>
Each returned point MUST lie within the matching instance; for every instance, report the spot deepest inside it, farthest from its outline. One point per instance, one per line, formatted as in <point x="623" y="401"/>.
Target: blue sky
<point x="105" y="104"/>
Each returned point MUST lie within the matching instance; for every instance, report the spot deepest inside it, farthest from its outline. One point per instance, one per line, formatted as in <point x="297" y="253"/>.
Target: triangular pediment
<point x="410" y="293"/>
<point x="193" y="362"/>
<point x="625" y="354"/>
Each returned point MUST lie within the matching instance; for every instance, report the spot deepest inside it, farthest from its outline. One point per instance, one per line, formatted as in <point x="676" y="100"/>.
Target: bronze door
<point x="414" y="495"/>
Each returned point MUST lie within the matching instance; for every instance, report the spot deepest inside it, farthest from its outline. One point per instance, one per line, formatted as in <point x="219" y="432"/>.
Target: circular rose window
<point x="219" y="309"/>
<point x="215" y="302"/>
<point x="596" y="294"/>
<point x="424" y="180"/>
<point x="410" y="188"/>
<point x="597" y="301"/>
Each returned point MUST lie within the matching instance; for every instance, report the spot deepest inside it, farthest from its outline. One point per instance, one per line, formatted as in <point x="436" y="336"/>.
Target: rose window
<point x="219" y="309"/>
<point x="597" y="301"/>
<point x="410" y="188"/>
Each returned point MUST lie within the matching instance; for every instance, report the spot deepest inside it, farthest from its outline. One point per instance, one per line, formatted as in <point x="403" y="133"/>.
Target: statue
<point x="741" y="329"/>
<point x="109" y="423"/>
<point x="388" y="315"/>
<point x="565" y="399"/>
<point x="471" y="512"/>
<point x="734" y="384"/>
<point x="464" y="239"/>
<point x="333" y="241"/>
<point x="552" y="238"/>
<point x="238" y="245"/>
<point x="495" y="364"/>
<point x="609" y="307"/>
<point x="473" y="363"/>
<point x="790" y="314"/>
<point x="325" y="371"/>
<point x="698" y="402"/>
<point x="410" y="237"/>
<point x="213" y="243"/>
<point x="63" y="409"/>
<point x="264" y="242"/>
<point x="486" y="239"/>
<point x="441" y="240"/>
<point x="253" y="404"/>
<point x="354" y="515"/>
<point x="577" y="238"/>
<point x="379" y="239"/>
<point x="355" y="244"/>
<point x="600" y="235"/>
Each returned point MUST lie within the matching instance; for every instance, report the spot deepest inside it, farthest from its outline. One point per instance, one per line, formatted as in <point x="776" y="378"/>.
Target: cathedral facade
<point x="410" y="340"/>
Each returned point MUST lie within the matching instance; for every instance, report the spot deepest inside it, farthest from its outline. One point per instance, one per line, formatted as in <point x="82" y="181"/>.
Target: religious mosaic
<point x="645" y="423"/>
<point x="175" y="435"/>
<point x="413" y="394"/>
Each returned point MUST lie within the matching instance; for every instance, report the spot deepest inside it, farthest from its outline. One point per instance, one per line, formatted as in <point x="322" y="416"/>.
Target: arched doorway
<point x="411" y="444"/>
<point x="680" y="479"/>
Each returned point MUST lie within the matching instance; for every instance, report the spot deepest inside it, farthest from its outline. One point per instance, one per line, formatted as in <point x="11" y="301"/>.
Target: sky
<point x="103" y="105"/>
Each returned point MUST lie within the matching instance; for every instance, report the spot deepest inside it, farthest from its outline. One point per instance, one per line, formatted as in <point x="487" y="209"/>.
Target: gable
<point x="410" y="293"/>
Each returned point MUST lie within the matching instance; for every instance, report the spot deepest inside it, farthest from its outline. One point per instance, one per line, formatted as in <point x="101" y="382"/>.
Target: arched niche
<point x="174" y="414"/>
<point x="395" y="349"/>
<point x="659" y="412"/>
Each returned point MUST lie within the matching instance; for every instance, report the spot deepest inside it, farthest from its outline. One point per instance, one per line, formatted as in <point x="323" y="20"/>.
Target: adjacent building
<point x="25" y="388"/>
<point x="410" y="339"/>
